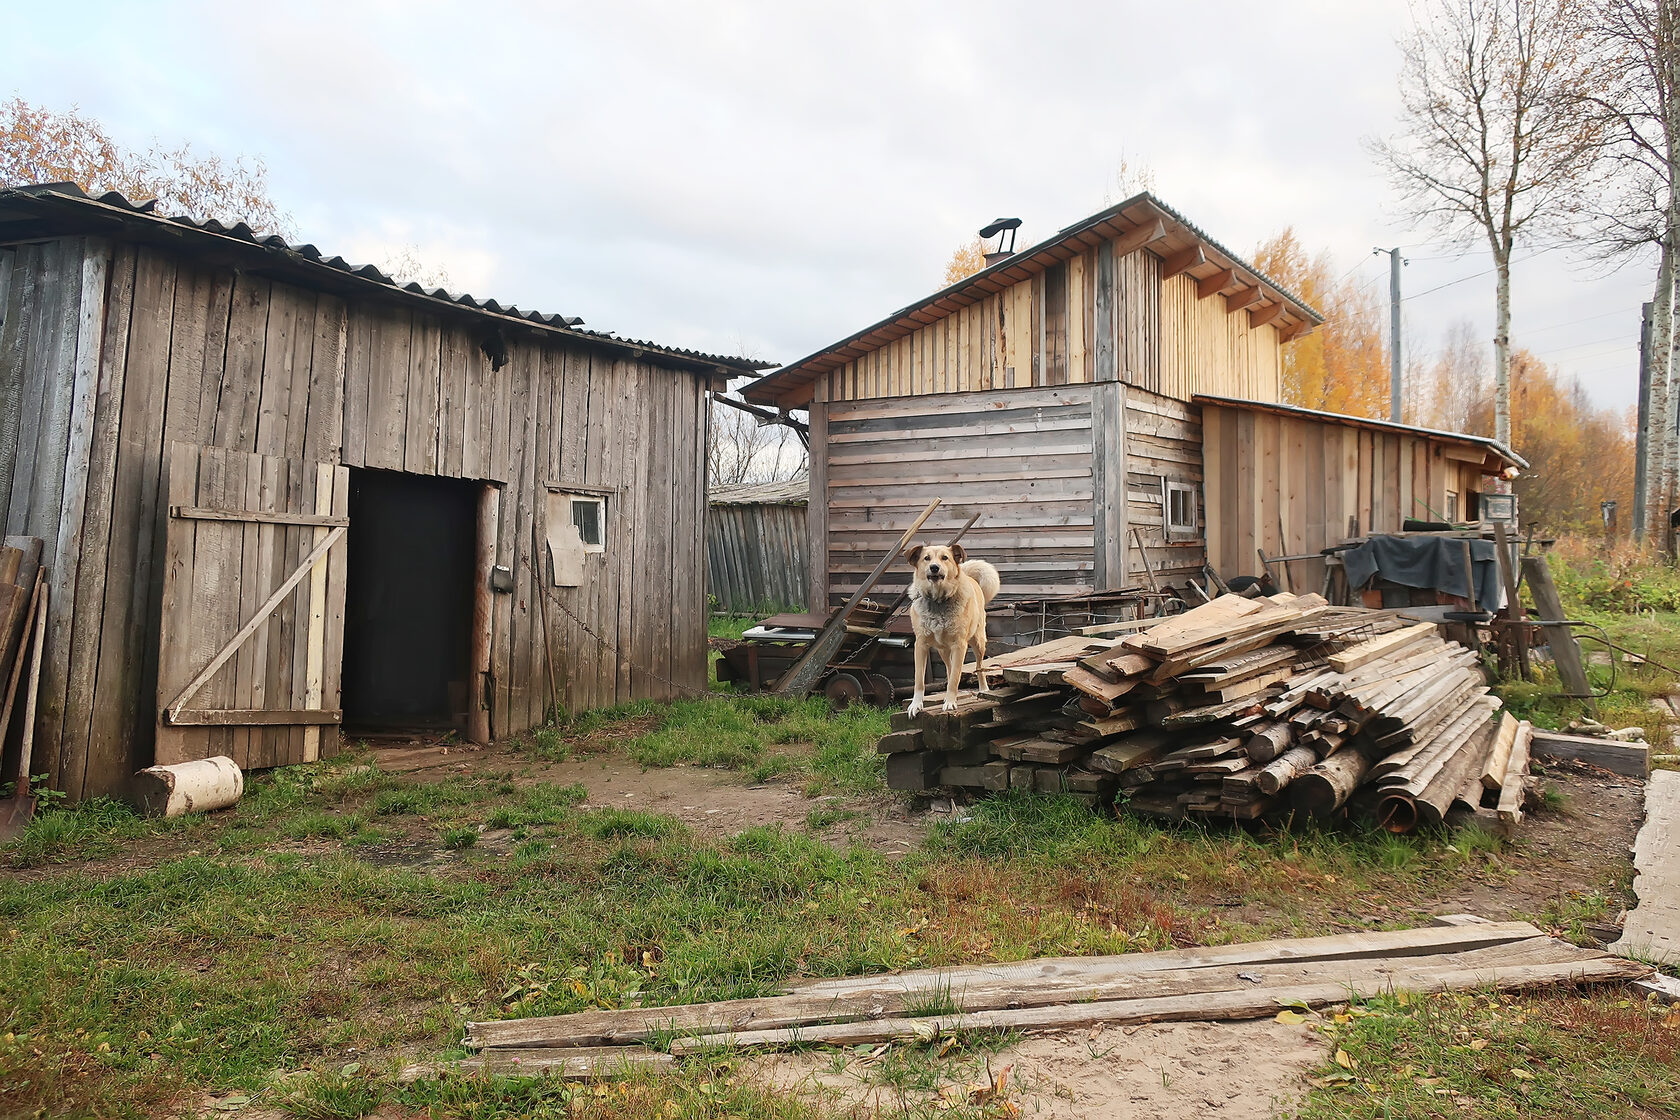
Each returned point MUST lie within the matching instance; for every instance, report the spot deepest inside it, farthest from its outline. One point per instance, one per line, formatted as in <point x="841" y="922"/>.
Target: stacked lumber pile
<point x="1229" y="982"/>
<point x="1239" y="708"/>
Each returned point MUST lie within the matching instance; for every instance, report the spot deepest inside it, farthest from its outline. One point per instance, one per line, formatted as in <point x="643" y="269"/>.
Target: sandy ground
<point x="1239" y="1071"/>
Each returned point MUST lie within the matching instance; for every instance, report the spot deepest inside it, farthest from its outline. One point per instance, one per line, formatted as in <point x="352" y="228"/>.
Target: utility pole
<point x="1394" y="263"/>
<point x="1642" y="440"/>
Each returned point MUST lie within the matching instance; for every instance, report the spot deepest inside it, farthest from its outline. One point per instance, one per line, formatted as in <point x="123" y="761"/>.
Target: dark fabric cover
<point x="1430" y="562"/>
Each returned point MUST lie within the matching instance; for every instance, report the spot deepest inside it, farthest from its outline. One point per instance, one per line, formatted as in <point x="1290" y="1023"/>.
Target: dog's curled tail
<point x="985" y="575"/>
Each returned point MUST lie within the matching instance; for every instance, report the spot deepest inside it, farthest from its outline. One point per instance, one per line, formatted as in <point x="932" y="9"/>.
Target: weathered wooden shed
<point x="756" y="535"/>
<point x="1293" y="481"/>
<point x="1118" y="383"/>
<point x="282" y="495"/>
<point x="1050" y="393"/>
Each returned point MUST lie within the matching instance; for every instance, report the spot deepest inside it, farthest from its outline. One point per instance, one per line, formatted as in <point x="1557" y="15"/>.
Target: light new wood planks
<point x="1651" y="930"/>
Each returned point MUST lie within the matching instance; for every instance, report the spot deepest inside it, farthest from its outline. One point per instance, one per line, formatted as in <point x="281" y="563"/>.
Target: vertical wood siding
<point x="1293" y="485"/>
<point x="756" y="556"/>
<point x="1203" y="345"/>
<point x="107" y="354"/>
<point x="1020" y="458"/>
<point x="1091" y="318"/>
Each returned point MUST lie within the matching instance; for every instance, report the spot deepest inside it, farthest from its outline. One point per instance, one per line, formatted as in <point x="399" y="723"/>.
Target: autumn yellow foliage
<point x="1343" y="365"/>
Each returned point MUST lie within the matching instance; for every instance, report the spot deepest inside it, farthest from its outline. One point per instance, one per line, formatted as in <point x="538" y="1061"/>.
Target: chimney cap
<point x="998" y="225"/>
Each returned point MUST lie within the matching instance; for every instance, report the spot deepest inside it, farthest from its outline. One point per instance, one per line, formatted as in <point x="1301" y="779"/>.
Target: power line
<point x="1484" y="272"/>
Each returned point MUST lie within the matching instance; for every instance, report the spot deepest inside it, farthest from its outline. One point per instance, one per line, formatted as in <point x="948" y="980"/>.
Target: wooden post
<point x="1565" y="653"/>
<point x="484" y="559"/>
<point x="1516" y="632"/>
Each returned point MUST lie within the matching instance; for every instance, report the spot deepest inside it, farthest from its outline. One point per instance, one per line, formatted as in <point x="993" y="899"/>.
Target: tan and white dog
<point x="948" y="611"/>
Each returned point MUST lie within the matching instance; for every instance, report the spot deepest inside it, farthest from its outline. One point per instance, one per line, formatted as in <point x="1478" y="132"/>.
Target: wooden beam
<point x="1260" y="316"/>
<point x="1243" y="298"/>
<point x="253" y="717"/>
<point x="1218" y="282"/>
<point x="1143" y="235"/>
<point x="1293" y="330"/>
<point x="1180" y="263"/>
<point x="267" y="517"/>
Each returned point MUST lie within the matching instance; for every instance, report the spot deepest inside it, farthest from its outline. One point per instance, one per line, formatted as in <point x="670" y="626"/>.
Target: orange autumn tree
<point x="1343" y="365"/>
<point x="969" y="258"/>
<point x="1579" y="455"/>
<point x="39" y="145"/>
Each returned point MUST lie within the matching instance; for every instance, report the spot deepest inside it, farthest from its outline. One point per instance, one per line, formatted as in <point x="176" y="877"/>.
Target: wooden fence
<point x="756" y="548"/>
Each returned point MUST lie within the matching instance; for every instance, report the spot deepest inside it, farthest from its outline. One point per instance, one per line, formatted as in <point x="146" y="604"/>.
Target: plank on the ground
<point x="1632" y="760"/>
<point x="1247" y="1003"/>
<point x="1652" y="927"/>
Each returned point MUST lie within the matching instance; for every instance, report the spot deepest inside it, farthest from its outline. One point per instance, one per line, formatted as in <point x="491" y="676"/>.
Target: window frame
<point x="599" y="501"/>
<point x="1173" y="531"/>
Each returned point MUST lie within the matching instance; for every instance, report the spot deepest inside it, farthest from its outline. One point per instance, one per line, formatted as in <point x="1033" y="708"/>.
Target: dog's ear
<point x="958" y="554"/>
<point x="913" y="554"/>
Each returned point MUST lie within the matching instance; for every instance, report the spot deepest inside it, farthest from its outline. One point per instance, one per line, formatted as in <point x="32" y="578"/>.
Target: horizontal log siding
<point x="756" y="557"/>
<point x="1163" y="440"/>
<point x="1019" y="458"/>
<point x="180" y="351"/>
<point x="1207" y="349"/>
<point x="1293" y="485"/>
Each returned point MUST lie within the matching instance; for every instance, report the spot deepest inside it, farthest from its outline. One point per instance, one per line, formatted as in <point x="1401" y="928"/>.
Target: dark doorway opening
<point x="408" y="601"/>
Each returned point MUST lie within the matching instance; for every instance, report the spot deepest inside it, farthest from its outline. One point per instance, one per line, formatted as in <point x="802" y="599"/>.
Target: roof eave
<point x="107" y="217"/>
<point x="1504" y="454"/>
<point x="790" y="386"/>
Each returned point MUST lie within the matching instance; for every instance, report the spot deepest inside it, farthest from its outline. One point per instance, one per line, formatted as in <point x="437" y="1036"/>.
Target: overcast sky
<point x="769" y="177"/>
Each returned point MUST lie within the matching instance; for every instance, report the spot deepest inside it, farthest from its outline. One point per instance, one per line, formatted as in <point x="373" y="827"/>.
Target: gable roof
<point x="60" y="209"/>
<point x="790" y="386"/>
<point x="796" y="492"/>
<point x="1504" y="455"/>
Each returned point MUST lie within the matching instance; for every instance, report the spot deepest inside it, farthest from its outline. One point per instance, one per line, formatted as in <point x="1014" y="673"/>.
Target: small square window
<point x="1452" y="506"/>
<point x="1179" y="509"/>
<point x="590" y="517"/>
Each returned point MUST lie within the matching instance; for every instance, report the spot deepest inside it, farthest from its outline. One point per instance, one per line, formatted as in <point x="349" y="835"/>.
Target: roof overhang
<point x="1495" y="456"/>
<point x="63" y="209"/>
<point x="1141" y="222"/>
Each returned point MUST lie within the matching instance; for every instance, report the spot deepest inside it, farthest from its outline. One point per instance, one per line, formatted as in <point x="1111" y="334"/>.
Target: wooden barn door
<point x="252" y="641"/>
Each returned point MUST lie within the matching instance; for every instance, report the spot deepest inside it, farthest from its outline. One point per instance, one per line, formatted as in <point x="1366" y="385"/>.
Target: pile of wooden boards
<point x="1248" y="981"/>
<point x="1240" y="708"/>
<point x="23" y="612"/>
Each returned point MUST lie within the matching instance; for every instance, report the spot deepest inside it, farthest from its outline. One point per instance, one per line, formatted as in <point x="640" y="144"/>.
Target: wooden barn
<point x="1058" y="393"/>
<point x="756" y="536"/>
<point x="283" y="497"/>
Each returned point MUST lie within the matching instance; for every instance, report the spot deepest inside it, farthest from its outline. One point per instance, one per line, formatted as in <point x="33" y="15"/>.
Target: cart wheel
<point x="882" y="692"/>
<point x="842" y="689"/>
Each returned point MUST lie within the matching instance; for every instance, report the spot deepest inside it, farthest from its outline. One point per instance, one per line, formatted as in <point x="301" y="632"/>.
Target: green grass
<point x="243" y="960"/>
<point x="1500" y="1056"/>
<point x="759" y="735"/>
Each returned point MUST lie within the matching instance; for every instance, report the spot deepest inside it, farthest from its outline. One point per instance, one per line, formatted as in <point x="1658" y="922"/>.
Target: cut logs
<point x="1239" y="708"/>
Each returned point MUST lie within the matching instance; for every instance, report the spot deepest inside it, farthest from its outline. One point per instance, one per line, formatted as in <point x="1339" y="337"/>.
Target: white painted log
<point x="188" y="787"/>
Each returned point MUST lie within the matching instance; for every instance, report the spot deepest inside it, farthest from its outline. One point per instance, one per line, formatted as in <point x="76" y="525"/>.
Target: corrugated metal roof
<point x="797" y="492"/>
<point x="1493" y="445"/>
<point x="63" y="207"/>
<point x="780" y="383"/>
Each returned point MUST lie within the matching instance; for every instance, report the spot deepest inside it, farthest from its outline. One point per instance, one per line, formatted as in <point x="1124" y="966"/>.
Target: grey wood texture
<point x="110" y="353"/>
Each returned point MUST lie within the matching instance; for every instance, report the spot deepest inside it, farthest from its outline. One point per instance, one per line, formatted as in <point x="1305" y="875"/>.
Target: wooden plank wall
<point x="109" y="354"/>
<point x="756" y="558"/>
<point x="1293" y="485"/>
<point x="1204" y="346"/>
<point x="1020" y="458"/>
<point x="1091" y="318"/>
<point x="1163" y="441"/>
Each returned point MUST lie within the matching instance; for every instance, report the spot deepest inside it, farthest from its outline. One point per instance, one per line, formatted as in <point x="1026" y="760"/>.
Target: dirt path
<point x="1171" y="1071"/>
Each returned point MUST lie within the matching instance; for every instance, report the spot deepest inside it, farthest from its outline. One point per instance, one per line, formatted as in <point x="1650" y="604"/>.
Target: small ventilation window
<point x="590" y="517"/>
<point x="1179" y="509"/>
